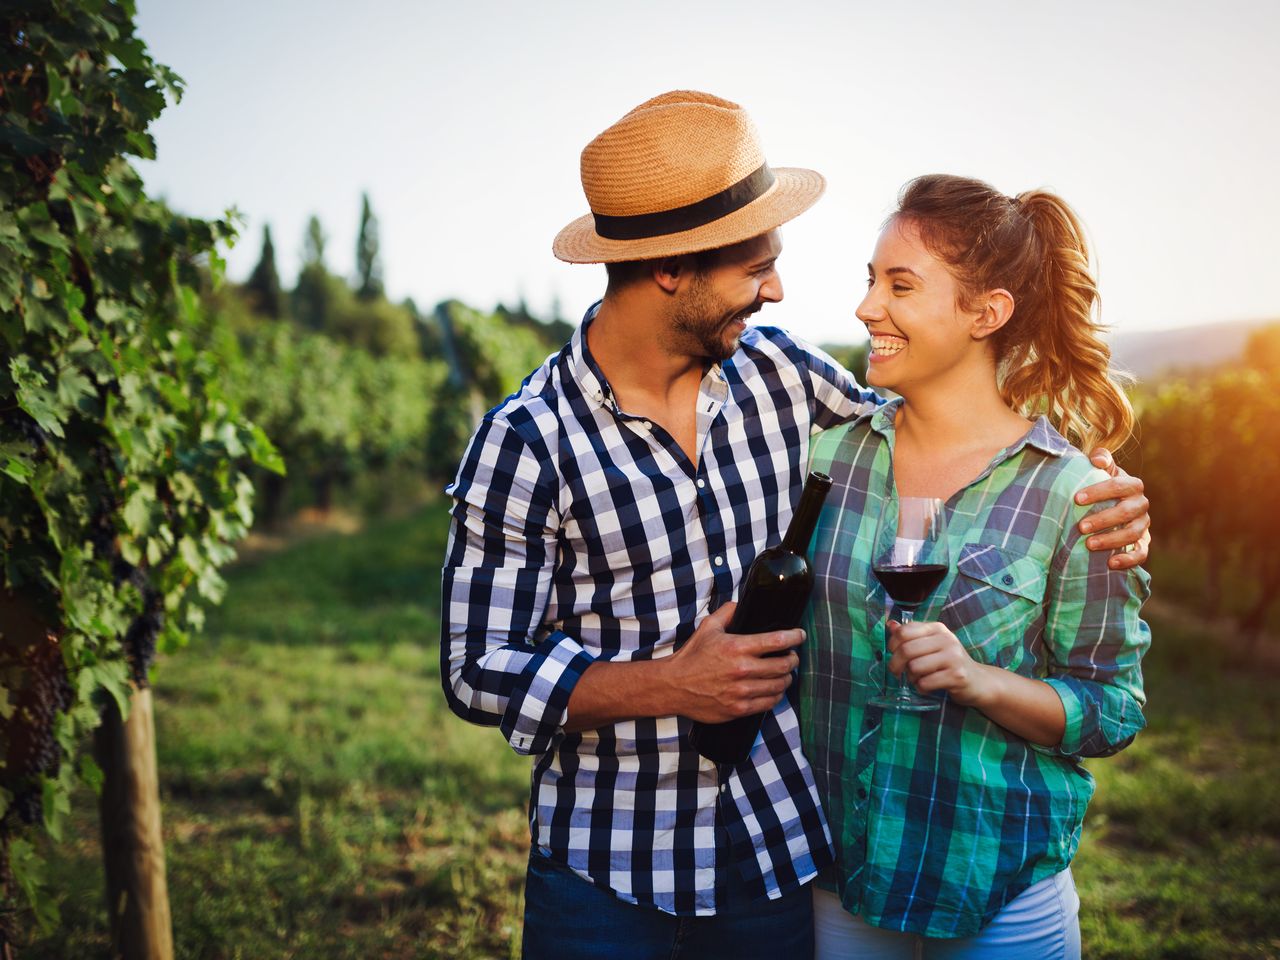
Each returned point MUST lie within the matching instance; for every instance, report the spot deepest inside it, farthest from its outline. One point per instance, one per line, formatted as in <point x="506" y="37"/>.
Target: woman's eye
<point x="900" y="288"/>
<point x="871" y="282"/>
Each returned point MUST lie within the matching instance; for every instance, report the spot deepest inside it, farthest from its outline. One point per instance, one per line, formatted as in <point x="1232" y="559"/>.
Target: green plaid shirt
<point x="942" y="818"/>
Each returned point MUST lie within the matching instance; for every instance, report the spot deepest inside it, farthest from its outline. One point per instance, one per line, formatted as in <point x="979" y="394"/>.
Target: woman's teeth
<point x="885" y="346"/>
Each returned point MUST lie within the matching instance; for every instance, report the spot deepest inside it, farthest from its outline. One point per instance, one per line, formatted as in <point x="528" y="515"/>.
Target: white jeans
<point x="1041" y="923"/>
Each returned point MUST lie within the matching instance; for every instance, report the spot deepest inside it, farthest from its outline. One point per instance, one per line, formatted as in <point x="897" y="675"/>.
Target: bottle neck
<point x="803" y="521"/>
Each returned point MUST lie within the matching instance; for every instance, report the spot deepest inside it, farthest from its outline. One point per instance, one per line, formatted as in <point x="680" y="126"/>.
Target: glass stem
<point x="905" y="691"/>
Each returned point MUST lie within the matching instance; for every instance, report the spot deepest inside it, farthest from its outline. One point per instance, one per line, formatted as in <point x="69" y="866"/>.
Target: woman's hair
<point x="1050" y="356"/>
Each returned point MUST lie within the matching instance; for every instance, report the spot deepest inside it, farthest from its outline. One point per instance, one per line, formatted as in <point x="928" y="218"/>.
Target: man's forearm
<point x="612" y="692"/>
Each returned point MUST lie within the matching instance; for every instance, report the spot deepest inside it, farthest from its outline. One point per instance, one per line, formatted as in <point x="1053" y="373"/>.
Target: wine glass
<point x="909" y="559"/>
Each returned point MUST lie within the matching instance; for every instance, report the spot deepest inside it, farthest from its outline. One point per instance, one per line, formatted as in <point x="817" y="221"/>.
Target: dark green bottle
<point x="773" y="596"/>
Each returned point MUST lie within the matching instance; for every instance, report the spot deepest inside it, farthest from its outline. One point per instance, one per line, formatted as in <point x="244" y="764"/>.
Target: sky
<point x="1157" y="120"/>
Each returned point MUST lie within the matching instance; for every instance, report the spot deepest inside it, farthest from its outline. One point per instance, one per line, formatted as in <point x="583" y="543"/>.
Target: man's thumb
<point x="723" y="614"/>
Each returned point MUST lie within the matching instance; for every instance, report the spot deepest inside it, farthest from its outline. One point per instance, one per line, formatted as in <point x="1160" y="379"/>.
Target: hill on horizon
<point x="1150" y="354"/>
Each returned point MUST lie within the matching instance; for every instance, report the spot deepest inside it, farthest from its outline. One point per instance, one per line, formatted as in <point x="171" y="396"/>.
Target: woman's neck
<point x="947" y="432"/>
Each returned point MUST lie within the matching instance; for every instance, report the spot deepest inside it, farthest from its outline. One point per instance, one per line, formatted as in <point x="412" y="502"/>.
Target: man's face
<point x="710" y="313"/>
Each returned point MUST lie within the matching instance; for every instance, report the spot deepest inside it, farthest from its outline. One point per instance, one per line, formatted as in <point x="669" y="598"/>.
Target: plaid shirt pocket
<point x="995" y="596"/>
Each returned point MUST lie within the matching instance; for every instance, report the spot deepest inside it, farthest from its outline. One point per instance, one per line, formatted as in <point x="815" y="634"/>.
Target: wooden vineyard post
<point x="132" y="847"/>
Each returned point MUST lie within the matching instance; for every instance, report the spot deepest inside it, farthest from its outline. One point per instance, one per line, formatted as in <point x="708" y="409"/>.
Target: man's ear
<point x="996" y="312"/>
<point x="669" y="272"/>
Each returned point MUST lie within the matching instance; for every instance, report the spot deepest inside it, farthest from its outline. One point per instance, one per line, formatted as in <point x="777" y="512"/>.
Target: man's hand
<point x="718" y="676"/>
<point x="715" y="676"/>
<point x="1125" y="523"/>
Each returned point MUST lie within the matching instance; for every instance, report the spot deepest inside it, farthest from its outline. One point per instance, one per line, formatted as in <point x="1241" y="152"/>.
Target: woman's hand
<point x="935" y="659"/>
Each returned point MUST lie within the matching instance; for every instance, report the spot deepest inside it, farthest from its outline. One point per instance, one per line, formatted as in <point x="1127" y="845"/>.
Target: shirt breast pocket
<point x="995" y="603"/>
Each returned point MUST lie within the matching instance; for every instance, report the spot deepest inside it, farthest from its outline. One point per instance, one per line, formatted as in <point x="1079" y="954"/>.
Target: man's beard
<point x="700" y="322"/>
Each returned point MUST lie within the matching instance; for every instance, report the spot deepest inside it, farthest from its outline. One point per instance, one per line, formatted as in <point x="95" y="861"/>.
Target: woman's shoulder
<point x="1062" y="467"/>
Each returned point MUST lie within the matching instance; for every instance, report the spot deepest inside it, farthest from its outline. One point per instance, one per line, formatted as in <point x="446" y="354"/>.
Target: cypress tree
<point x="263" y="285"/>
<point x="368" y="266"/>
<point x="312" y="297"/>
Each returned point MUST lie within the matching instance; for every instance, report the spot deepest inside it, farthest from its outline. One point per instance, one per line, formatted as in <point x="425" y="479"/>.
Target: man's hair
<point x="626" y="272"/>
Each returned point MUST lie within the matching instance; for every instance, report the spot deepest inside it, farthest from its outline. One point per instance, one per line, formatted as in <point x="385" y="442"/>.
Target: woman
<point x="955" y="828"/>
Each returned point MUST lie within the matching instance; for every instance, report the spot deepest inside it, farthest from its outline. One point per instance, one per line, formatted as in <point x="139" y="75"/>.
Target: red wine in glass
<point x="910" y="586"/>
<point x="910" y="559"/>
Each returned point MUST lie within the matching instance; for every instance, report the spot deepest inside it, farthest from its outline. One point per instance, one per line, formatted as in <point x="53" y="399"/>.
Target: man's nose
<point x="771" y="289"/>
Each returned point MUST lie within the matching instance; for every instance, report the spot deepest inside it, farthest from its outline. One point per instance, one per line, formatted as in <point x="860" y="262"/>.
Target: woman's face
<point x="918" y="330"/>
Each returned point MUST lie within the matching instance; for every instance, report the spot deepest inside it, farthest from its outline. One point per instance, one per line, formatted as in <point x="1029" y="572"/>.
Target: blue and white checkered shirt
<point x="583" y="533"/>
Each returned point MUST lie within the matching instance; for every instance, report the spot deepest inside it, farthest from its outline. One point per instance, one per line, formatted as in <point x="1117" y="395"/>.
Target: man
<point x="602" y="518"/>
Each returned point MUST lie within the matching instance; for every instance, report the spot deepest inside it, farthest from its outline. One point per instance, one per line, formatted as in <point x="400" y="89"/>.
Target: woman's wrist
<point x="987" y="689"/>
<point x="1022" y="705"/>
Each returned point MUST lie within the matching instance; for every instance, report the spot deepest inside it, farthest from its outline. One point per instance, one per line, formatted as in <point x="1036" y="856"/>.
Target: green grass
<point x="320" y="801"/>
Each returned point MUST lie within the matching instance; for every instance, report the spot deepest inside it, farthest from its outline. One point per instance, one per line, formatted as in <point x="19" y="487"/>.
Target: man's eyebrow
<point x="763" y="262"/>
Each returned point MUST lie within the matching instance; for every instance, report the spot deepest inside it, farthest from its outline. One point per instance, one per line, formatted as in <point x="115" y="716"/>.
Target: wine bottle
<point x="773" y="596"/>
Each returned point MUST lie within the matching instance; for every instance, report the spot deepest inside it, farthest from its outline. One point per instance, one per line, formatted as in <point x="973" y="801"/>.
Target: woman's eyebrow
<point x="892" y="271"/>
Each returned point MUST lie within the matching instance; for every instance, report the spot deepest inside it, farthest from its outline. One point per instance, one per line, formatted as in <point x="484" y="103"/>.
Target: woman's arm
<point x="935" y="660"/>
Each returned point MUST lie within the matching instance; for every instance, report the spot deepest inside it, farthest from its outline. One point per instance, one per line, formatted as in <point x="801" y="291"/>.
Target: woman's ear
<point x="995" y="313"/>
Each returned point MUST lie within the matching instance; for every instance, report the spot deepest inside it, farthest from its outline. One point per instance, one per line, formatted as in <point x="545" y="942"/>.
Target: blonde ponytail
<point x="1061" y="364"/>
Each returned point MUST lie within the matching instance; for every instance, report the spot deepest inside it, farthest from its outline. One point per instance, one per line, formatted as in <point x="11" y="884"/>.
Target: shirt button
<point x="701" y="483"/>
<point x="862" y="793"/>
<point x="719" y="561"/>
<point x="1008" y="580"/>
<point x="648" y="425"/>
<point x="724" y="787"/>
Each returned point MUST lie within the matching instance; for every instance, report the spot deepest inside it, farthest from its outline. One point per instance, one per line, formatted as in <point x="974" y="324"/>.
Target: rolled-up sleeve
<point x="1096" y="640"/>
<point x="499" y="665"/>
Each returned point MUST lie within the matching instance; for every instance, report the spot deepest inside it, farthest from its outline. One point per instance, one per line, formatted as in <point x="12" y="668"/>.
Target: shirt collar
<point x="1042" y="435"/>
<point x="583" y="366"/>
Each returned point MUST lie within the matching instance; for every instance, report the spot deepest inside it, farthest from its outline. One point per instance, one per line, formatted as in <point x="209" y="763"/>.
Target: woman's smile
<point x="886" y="345"/>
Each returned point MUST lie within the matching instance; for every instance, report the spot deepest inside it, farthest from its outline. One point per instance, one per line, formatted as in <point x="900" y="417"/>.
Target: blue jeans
<point x="569" y="918"/>
<point x="1041" y="923"/>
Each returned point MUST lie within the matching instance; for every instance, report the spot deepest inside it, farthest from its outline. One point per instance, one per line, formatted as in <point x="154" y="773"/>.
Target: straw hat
<point x="680" y="173"/>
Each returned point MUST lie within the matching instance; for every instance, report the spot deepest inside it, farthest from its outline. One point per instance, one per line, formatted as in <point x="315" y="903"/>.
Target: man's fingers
<point x="1130" y="508"/>
<point x="1101" y="458"/>
<point x="1115" y="488"/>
<point x="768" y="668"/>
<point x="1120" y="537"/>
<point x="775" y="642"/>
<point x="1135" y="557"/>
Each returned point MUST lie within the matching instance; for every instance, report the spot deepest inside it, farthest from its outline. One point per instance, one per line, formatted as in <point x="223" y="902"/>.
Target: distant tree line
<point x="346" y="382"/>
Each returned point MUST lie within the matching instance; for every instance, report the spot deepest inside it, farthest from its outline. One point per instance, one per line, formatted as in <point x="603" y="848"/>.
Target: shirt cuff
<point x="1100" y="721"/>
<point x="535" y="716"/>
<point x="1074" y="708"/>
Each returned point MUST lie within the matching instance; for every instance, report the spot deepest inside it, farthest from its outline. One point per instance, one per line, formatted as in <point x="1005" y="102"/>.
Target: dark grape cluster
<point x="39" y="691"/>
<point x="140" y="639"/>
<point x="27" y="428"/>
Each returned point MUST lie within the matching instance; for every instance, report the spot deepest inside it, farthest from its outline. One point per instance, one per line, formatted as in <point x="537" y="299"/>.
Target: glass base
<point x="911" y="704"/>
